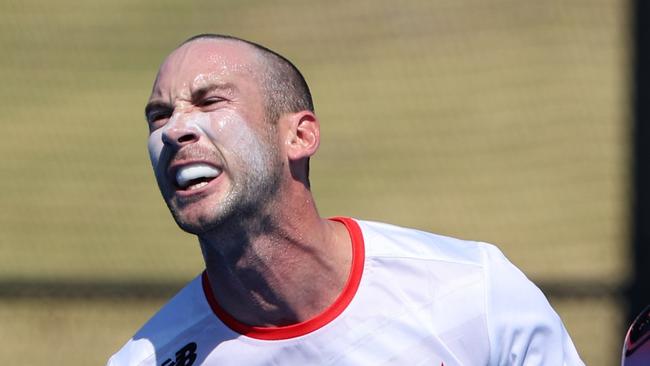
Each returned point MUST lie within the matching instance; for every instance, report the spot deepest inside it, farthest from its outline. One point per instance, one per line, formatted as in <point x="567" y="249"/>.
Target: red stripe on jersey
<point x="310" y="325"/>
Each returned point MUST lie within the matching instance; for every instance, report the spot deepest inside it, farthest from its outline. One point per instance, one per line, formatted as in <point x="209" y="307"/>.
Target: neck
<point x="278" y="269"/>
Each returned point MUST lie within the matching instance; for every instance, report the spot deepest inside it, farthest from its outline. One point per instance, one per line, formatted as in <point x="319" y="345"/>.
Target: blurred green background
<point x="503" y="121"/>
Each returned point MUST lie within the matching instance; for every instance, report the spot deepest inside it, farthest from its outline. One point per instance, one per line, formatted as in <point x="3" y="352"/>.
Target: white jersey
<point x="412" y="298"/>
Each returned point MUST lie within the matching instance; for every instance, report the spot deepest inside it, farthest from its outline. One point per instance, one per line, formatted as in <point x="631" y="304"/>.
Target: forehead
<point x="205" y="61"/>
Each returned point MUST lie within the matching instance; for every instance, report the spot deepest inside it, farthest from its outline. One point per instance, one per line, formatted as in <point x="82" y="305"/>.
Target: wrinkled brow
<point x="199" y="93"/>
<point x="156" y="106"/>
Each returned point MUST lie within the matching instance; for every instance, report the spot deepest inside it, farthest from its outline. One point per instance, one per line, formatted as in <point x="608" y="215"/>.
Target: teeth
<point x="188" y="173"/>
<point x="197" y="186"/>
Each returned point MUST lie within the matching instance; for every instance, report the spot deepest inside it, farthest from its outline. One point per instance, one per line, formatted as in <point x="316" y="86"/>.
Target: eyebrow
<point x="156" y="106"/>
<point x="199" y="93"/>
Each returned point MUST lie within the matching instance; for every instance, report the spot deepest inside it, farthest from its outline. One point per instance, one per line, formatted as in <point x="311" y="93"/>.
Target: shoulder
<point x="445" y="264"/>
<point x="439" y="263"/>
<point x="385" y="240"/>
<point x="473" y="278"/>
<point x="182" y="312"/>
<point x="522" y="323"/>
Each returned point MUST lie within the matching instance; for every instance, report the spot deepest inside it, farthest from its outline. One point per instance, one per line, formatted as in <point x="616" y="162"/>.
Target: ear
<point x="303" y="137"/>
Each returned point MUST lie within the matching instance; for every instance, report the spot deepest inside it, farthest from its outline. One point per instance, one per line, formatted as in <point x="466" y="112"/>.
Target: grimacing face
<point x="214" y="153"/>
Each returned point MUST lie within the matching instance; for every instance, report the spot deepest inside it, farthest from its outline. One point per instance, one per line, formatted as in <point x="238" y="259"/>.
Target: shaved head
<point x="285" y="89"/>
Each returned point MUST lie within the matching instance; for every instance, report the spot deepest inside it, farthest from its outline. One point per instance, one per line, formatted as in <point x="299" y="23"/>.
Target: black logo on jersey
<point x="184" y="356"/>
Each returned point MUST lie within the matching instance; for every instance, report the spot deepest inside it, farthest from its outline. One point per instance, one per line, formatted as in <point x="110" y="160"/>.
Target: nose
<point x="179" y="133"/>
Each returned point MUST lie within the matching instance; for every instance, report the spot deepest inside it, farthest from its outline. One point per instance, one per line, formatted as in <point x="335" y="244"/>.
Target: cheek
<point x="155" y="146"/>
<point x="230" y="132"/>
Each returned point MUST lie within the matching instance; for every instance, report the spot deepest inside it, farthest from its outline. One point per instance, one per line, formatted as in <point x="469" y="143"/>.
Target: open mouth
<point x="195" y="176"/>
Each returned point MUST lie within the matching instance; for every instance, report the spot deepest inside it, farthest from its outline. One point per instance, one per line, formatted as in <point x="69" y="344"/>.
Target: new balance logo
<point x="184" y="356"/>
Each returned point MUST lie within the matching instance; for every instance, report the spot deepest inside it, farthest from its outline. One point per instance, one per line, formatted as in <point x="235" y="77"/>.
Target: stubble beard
<point x="247" y="204"/>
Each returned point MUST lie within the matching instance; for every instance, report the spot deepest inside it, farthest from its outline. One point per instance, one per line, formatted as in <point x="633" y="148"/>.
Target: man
<point x="232" y="128"/>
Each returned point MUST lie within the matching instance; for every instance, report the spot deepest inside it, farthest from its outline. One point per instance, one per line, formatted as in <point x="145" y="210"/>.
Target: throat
<point x="259" y="295"/>
<point x="278" y="278"/>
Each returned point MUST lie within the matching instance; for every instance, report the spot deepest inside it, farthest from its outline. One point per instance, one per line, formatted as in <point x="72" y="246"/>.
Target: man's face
<point x="214" y="153"/>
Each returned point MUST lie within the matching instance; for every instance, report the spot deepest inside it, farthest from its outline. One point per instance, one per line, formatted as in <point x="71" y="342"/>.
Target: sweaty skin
<point x="211" y="107"/>
<point x="270" y="258"/>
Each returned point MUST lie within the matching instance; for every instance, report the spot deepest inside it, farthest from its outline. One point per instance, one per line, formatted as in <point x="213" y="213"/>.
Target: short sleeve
<point x="522" y="326"/>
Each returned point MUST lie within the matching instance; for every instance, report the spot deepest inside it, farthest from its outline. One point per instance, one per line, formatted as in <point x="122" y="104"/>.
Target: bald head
<point x="285" y="89"/>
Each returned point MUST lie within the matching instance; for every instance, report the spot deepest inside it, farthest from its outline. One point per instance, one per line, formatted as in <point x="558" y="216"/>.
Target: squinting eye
<point x="209" y="102"/>
<point x="153" y="117"/>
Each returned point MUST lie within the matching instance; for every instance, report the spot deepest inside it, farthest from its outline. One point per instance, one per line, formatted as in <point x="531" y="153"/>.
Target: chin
<point x="200" y="219"/>
<point x="191" y="218"/>
<point x="242" y="220"/>
<point x="196" y="224"/>
<point x="232" y="212"/>
<point x="198" y="228"/>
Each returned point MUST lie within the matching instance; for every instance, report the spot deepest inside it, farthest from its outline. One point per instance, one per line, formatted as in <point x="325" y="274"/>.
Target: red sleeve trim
<point x="310" y="325"/>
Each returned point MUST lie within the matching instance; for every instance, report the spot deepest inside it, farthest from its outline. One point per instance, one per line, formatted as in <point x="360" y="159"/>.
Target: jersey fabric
<point x="412" y="298"/>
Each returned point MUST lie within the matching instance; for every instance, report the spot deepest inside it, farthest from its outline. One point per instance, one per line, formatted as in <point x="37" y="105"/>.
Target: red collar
<point x="310" y="325"/>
